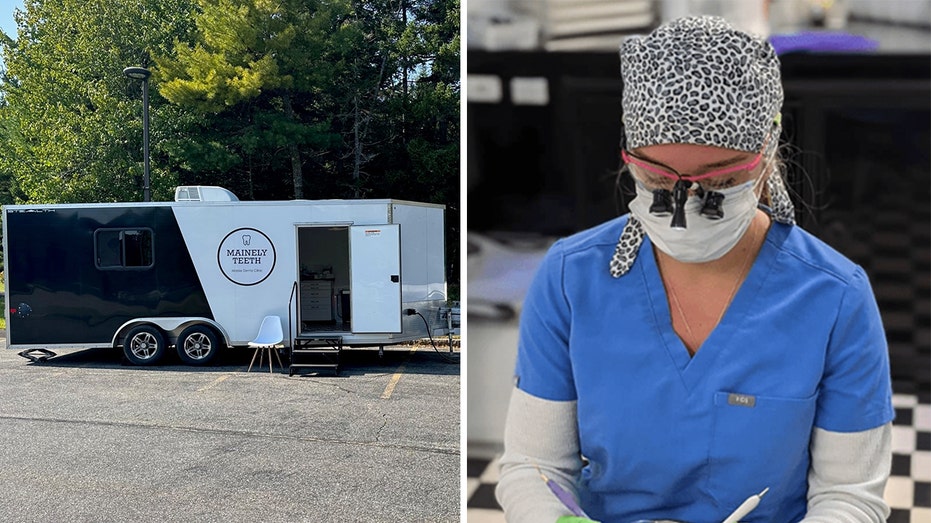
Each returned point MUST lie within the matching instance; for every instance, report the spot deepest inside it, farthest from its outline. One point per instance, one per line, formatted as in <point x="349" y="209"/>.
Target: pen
<point x="564" y="497"/>
<point x="746" y="507"/>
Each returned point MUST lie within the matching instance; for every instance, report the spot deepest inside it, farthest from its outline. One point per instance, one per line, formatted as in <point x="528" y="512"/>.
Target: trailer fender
<point x="171" y="326"/>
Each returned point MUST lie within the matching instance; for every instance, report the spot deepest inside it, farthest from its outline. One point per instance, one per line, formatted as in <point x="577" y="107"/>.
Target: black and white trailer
<point x="201" y="275"/>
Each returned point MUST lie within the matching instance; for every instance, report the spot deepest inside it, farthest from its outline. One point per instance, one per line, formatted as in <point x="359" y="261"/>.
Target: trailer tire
<point x="197" y="345"/>
<point x="144" y="345"/>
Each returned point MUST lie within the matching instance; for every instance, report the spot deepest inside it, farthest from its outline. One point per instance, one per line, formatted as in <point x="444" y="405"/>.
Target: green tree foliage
<point x="430" y="45"/>
<point x="398" y="110"/>
<point x="70" y="122"/>
<point x="252" y="74"/>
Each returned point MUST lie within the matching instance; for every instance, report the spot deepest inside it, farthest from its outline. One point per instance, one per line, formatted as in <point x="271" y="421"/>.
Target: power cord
<point x="445" y="357"/>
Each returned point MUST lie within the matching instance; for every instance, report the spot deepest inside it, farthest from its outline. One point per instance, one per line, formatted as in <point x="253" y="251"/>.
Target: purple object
<point x="567" y="500"/>
<point x="818" y="41"/>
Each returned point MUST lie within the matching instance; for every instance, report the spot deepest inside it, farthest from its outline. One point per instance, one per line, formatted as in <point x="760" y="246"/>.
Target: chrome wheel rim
<point x="197" y="346"/>
<point x="143" y="345"/>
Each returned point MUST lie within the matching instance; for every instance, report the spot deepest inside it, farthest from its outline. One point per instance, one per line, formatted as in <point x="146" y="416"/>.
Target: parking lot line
<point x="214" y="383"/>
<point x="396" y="377"/>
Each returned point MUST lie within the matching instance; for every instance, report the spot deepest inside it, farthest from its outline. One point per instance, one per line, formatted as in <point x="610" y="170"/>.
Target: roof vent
<point x="203" y="193"/>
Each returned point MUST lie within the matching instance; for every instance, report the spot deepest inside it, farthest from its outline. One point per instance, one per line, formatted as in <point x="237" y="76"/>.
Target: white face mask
<point x="703" y="239"/>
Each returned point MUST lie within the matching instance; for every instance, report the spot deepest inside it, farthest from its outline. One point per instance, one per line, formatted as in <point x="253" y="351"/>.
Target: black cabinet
<point x="553" y="168"/>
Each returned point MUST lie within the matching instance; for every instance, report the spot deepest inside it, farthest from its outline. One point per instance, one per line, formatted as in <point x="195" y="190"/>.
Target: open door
<point x="375" y="268"/>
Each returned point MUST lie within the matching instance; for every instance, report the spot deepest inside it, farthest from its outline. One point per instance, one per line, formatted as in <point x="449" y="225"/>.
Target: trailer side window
<point x="123" y="248"/>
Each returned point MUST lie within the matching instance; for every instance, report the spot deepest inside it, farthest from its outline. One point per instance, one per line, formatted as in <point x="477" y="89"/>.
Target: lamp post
<point x="141" y="73"/>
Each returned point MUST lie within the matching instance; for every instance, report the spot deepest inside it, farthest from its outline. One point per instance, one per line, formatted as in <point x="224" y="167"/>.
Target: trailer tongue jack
<point x="37" y="359"/>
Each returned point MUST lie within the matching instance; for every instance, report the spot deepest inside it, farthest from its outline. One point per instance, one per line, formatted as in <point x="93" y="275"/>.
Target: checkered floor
<point x="908" y="491"/>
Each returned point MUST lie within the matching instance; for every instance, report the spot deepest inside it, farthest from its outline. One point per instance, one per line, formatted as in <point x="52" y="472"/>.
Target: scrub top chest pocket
<point x="759" y="442"/>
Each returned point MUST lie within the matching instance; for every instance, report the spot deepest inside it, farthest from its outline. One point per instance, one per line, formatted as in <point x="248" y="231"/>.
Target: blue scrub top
<point x="670" y="436"/>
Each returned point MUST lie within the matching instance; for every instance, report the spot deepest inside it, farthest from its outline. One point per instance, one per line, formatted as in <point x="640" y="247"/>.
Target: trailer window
<point x="123" y="248"/>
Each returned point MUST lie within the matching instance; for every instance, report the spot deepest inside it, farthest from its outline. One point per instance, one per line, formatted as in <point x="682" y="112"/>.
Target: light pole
<point x="141" y="73"/>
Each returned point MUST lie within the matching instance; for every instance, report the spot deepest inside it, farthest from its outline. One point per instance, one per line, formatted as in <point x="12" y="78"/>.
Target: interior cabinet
<point x="317" y="300"/>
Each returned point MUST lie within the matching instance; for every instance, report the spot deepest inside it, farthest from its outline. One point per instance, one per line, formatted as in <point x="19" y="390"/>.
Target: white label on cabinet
<point x="483" y="88"/>
<point x="529" y="91"/>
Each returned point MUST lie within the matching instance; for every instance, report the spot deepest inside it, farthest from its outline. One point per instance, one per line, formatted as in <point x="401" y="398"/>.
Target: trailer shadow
<point x="353" y="362"/>
<point x="356" y="362"/>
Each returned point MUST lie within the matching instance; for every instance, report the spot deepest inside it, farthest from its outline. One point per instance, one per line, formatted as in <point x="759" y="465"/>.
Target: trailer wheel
<point x="144" y="345"/>
<point x="197" y="345"/>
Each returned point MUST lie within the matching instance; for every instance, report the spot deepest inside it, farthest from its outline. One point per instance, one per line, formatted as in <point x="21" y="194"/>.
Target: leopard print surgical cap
<point x="698" y="80"/>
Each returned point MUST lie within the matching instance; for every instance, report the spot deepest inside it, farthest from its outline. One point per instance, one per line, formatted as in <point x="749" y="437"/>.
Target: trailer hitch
<point x="37" y="359"/>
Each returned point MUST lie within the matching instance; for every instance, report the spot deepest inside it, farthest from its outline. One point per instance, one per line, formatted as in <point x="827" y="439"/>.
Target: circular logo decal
<point x="246" y="256"/>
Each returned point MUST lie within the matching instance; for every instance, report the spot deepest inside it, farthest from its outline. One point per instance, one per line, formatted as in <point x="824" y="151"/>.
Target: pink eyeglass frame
<point x="629" y="158"/>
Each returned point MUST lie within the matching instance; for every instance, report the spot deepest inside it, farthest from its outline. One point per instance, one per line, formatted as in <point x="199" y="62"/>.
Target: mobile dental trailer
<point x="202" y="272"/>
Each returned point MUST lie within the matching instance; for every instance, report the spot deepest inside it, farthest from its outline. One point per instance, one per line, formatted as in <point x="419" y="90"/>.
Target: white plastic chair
<point x="268" y="339"/>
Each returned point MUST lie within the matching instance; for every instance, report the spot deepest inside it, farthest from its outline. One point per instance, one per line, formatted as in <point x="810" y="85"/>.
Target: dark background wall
<point x="859" y="129"/>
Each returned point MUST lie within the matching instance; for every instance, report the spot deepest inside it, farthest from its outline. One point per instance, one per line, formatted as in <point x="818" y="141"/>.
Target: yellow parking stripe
<point x="396" y="377"/>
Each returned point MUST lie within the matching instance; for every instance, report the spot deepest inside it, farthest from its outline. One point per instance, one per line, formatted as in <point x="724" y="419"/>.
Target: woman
<point x="679" y="360"/>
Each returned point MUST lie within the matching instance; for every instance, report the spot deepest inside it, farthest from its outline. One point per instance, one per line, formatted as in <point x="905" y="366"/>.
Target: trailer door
<point x="375" y="267"/>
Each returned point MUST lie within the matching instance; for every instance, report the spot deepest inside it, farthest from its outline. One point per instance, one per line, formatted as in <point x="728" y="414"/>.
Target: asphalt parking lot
<point x="87" y="438"/>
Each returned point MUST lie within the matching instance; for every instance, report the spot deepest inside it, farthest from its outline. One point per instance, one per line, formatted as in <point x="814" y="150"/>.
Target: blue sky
<point x="6" y="15"/>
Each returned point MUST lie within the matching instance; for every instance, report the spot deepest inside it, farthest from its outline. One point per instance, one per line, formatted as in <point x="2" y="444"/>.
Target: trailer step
<point x="315" y="351"/>
<point x="318" y="352"/>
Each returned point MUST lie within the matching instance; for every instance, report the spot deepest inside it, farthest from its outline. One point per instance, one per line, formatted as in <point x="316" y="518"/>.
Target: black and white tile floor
<point x="908" y="491"/>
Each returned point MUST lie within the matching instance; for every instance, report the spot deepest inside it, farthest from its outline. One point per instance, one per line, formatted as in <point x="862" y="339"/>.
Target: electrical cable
<point x="446" y="358"/>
